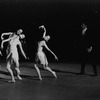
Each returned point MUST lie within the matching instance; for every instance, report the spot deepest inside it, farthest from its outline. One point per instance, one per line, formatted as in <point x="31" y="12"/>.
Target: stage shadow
<point x="36" y="77"/>
<point x="3" y="80"/>
<point x="3" y="72"/>
<point x="56" y="70"/>
<point x="30" y="77"/>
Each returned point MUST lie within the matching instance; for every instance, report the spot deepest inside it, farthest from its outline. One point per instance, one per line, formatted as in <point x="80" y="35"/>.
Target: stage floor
<point x="68" y="85"/>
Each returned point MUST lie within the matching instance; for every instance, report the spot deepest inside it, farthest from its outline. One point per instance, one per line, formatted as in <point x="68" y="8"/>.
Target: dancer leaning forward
<point x="12" y="52"/>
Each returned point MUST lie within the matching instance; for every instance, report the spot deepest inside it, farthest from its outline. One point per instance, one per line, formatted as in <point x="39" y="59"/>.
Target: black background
<point x="62" y="19"/>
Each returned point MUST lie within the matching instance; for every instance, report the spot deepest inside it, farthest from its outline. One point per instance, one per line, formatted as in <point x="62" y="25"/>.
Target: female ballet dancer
<point x="12" y="53"/>
<point x="41" y="57"/>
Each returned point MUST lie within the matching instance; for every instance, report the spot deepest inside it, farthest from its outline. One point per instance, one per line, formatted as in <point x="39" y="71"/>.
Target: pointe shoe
<point x="54" y="73"/>
<point x="40" y="78"/>
<point x="19" y="77"/>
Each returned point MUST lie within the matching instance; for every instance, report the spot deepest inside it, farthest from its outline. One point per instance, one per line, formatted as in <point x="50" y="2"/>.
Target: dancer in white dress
<point x="41" y="57"/>
<point x="12" y="53"/>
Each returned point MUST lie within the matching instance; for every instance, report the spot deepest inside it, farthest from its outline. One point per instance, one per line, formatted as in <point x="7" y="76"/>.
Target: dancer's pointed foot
<point x="54" y="73"/>
<point x="19" y="77"/>
<point x="40" y="78"/>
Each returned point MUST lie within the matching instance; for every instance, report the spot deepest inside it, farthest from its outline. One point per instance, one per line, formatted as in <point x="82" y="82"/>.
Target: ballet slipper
<point x="40" y="78"/>
<point x="54" y="73"/>
<point x="19" y="77"/>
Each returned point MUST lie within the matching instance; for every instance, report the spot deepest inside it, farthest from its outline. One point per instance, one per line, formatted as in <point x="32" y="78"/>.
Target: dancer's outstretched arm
<point x="22" y="51"/>
<point x="50" y="50"/>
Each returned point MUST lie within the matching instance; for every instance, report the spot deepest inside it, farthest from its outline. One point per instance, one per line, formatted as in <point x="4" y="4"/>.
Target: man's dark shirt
<point x="87" y="41"/>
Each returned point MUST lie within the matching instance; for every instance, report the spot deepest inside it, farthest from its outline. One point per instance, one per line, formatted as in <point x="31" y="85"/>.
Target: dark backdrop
<point x="62" y="19"/>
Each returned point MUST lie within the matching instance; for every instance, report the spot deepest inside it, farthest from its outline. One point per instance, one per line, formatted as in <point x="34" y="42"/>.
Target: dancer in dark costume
<point x="87" y="51"/>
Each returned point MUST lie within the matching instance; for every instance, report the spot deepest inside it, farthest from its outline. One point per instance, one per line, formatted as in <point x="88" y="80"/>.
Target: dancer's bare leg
<point x="38" y="71"/>
<point x="10" y="71"/>
<point x="17" y="69"/>
<point x="50" y="70"/>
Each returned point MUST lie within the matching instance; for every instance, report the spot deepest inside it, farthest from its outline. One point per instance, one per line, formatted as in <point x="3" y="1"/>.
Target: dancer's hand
<point x="56" y="58"/>
<point x="42" y="26"/>
<point x="1" y="46"/>
<point x="0" y="53"/>
<point x="28" y="58"/>
<point x="25" y="57"/>
<point x="89" y="49"/>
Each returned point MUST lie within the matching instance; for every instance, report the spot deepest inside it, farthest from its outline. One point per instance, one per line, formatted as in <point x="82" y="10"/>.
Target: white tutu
<point x="41" y="57"/>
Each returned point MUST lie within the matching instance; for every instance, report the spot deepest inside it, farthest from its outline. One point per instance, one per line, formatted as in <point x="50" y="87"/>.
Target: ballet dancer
<point x="40" y="55"/>
<point x="12" y="52"/>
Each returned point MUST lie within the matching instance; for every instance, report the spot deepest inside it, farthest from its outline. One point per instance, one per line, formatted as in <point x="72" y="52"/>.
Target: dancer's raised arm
<point x="9" y="33"/>
<point x="42" y="26"/>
